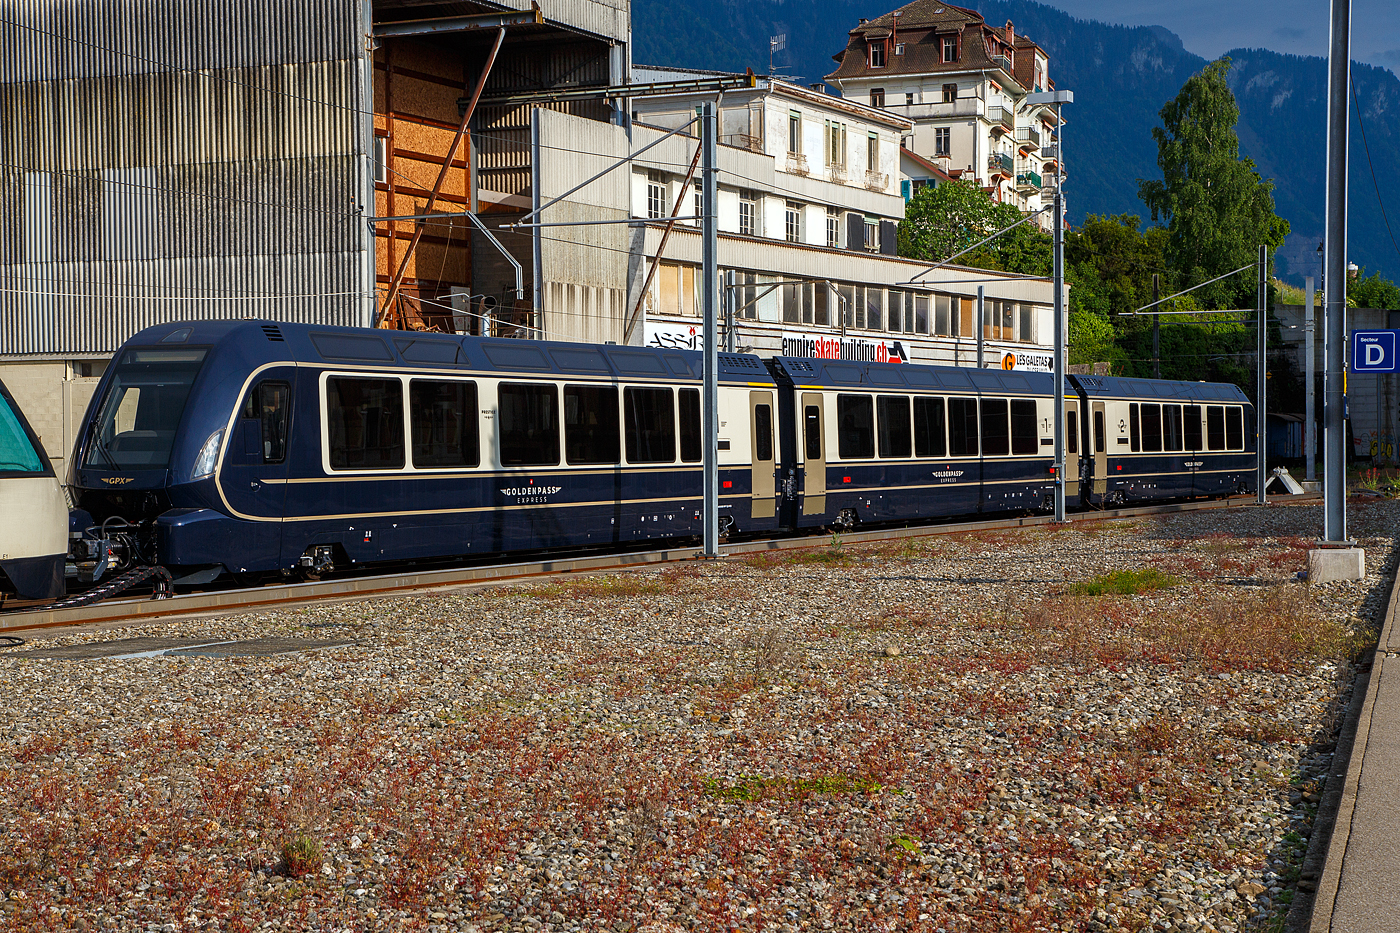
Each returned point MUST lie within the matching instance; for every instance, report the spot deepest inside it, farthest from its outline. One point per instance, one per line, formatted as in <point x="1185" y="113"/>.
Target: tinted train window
<point x="812" y="431"/>
<point x="1171" y="427"/>
<point x="1193" y="427"/>
<point x="895" y="440"/>
<point x="442" y="419"/>
<point x="962" y="427"/>
<point x="1025" y="439"/>
<point x="590" y="424"/>
<point x="1134" y="427"/>
<point x="691" y="434"/>
<point x="529" y="424"/>
<point x="996" y="439"/>
<point x="1098" y="432"/>
<point x="855" y="419"/>
<point x="137" y="420"/>
<point x="1072" y="431"/>
<point x="364" y="423"/>
<point x="1234" y="428"/>
<point x="270" y="404"/>
<point x="763" y="432"/>
<point x="651" y="425"/>
<point x="1215" y="427"/>
<point x="930" y="435"/>
<point x="1152" y="428"/>
<point x="18" y="455"/>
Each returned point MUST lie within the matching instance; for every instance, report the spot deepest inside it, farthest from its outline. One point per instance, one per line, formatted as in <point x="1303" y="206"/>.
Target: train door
<point x="1071" y="449"/>
<point x="254" y="472"/>
<point x="813" y="453"/>
<point x="1100" y="431"/>
<point x="764" y="461"/>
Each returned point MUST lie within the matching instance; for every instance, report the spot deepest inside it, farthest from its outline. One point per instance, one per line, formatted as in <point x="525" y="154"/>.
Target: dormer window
<point x="950" y="48"/>
<point x="877" y="97"/>
<point x="877" y="53"/>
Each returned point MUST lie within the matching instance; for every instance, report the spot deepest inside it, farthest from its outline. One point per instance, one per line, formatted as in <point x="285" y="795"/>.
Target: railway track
<point x="147" y="609"/>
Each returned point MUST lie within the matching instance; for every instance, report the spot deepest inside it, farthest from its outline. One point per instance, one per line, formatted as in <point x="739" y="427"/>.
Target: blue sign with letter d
<point x="1373" y="351"/>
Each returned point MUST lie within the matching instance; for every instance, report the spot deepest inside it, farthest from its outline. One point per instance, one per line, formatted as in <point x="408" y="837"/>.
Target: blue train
<point x="255" y="448"/>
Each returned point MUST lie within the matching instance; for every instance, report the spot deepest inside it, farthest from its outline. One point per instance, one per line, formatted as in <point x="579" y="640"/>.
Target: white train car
<point x="33" y="512"/>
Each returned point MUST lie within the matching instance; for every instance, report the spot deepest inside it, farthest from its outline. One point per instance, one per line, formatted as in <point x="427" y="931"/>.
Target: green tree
<point x="943" y="221"/>
<point x="1373" y="292"/>
<point x="1217" y="208"/>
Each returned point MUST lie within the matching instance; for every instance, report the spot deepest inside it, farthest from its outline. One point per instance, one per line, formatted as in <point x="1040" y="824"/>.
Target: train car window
<point x="270" y="403"/>
<point x="691" y="451"/>
<point x="430" y="351"/>
<point x="651" y="425"/>
<point x="1215" y="427"/>
<point x="1234" y="428"/>
<point x="855" y="419"/>
<point x="930" y="434"/>
<point x="763" y="432"/>
<point x="1152" y="428"/>
<point x="137" y="421"/>
<point x="996" y="436"/>
<point x="1193" y="427"/>
<point x="529" y="424"/>
<point x="18" y="455"/>
<point x="1025" y="439"/>
<point x="1098" y="432"/>
<point x="590" y="424"/>
<point x="641" y="362"/>
<point x="364" y="420"/>
<point x="1134" y="427"/>
<point x="812" y="431"/>
<point x="1171" y="427"/>
<point x="515" y="355"/>
<point x="1072" y="432"/>
<point x="578" y="360"/>
<point x="442" y="418"/>
<point x="895" y="439"/>
<point x="962" y="427"/>
<point x="351" y="347"/>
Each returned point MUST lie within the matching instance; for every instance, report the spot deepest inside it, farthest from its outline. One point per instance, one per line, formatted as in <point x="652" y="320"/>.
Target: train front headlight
<point x="208" y="456"/>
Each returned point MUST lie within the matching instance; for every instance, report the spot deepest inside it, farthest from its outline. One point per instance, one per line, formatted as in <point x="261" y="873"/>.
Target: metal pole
<point x="1059" y="342"/>
<point x="981" y="318"/>
<point x="1261" y="415"/>
<point x="1310" y="364"/>
<point x="731" y="298"/>
<point x="1334" y="465"/>
<point x="1156" y="329"/>
<point x="709" y="252"/>
<point x="368" y="169"/>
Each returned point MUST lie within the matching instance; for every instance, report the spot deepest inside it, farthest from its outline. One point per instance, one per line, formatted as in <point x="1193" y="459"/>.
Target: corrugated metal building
<point x="207" y="158"/>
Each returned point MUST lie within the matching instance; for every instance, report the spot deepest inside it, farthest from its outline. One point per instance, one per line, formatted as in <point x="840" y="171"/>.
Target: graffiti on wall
<point x="1374" y="444"/>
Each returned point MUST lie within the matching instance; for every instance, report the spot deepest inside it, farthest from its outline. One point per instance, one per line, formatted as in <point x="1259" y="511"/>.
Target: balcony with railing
<point x="877" y="181"/>
<point x="1027" y="138"/>
<point x="962" y="107"/>
<point x="1004" y="63"/>
<point x="742" y="141"/>
<point x="999" y="163"/>
<point x="1003" y="119"/>
<point x="1028" y="180"/>
<point x="796" y="164"/>
<point x="1050" y="152"/>
<point x="837" y="173"/>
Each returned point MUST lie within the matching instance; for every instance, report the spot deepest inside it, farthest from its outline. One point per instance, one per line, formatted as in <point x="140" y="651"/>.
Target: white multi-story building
<point x="809" y="199"/>
<point x="963" y="84"/>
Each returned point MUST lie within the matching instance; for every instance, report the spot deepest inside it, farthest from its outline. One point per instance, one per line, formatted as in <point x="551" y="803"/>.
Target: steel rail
<point x="148" y="609"/>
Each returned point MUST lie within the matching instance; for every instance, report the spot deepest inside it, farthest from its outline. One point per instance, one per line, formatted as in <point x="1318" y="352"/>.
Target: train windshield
<point x="136" y="423"/>
<point x="17" y="454"/>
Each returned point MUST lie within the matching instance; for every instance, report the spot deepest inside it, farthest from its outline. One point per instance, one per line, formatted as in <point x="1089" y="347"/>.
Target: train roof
<point x="340" y="346"/>
<point x="1123" y="387"/>
<point x="841" y="374"/>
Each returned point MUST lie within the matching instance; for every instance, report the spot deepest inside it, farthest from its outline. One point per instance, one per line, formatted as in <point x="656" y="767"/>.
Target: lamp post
<point x="1058" y="98"/>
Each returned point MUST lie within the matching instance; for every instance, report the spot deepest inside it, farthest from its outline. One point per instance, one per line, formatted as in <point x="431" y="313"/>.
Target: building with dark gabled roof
<point x="963" y="83"/>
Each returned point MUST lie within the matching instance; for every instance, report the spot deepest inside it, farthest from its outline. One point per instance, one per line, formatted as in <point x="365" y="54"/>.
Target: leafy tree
<point x="1373" y="292"/>
<point x="1217" y="208"/>
<point x="941" y="222"/>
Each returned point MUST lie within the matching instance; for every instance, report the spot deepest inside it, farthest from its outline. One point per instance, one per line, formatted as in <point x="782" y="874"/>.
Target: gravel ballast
<point x="1103" y="726"/>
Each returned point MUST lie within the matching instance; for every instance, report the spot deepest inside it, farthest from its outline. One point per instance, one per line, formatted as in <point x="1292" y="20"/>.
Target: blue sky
<point x="1210" y="27"/>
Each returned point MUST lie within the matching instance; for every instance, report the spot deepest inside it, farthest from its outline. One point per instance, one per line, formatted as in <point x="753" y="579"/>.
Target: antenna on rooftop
<point x="775" y="44"/>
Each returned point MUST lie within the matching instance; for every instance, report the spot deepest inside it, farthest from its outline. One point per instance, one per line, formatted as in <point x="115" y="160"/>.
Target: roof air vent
<point x="273" y="333"/>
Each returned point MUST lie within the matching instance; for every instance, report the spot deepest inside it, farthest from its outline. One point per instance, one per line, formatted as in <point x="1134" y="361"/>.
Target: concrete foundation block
<point x="1328" y="565"/>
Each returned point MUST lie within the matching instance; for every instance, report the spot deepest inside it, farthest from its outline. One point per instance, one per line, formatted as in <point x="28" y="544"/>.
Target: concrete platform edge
<point x="1332" y="827"/>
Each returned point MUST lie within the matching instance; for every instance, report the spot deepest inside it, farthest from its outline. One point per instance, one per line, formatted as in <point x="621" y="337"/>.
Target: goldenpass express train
<point x="251" y="448"/>
<point x="33" y="511"/>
